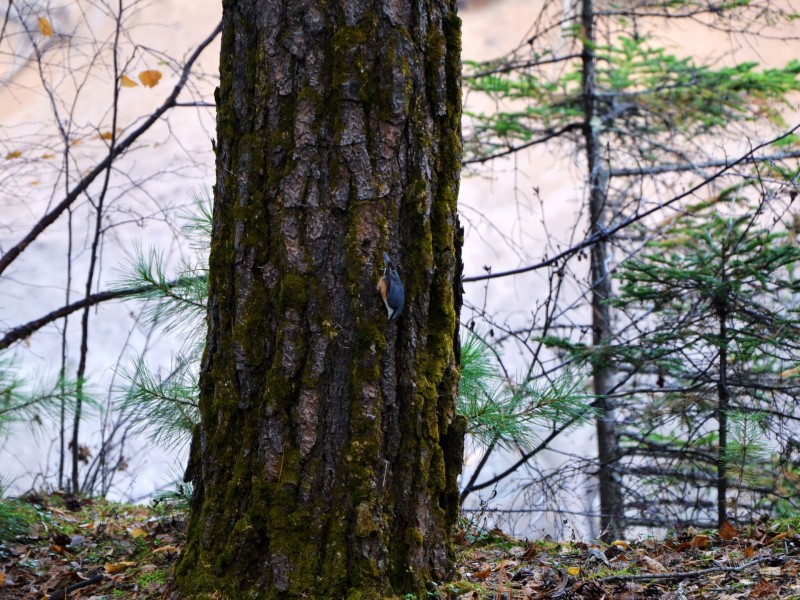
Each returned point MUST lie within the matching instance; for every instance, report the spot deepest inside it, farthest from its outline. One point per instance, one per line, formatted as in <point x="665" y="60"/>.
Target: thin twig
<point x="513" y="149"/>
<point x="607" y="233"/>
<point x="22" y="331"/>
<point x="684" y="574"/>
<point x="64" y="593"/>
<point x="11" y="255"/>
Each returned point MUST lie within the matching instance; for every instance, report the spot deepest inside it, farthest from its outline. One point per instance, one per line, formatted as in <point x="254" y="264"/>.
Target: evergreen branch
<point x="635" y="218"/>
<point x="11" y="255"/>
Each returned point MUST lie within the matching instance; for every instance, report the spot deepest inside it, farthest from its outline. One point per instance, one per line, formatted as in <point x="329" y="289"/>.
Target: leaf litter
<point x="94" y="549"/>
<point x="88" y="548"/>
<point x="760" y="561"/>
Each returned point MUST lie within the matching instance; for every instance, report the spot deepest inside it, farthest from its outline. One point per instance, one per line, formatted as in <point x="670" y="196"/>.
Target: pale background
<point x="498" y="204"/>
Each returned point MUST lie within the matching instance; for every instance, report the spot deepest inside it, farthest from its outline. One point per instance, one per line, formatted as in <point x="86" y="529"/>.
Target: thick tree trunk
<point x="325" y="464"/>
<point x="612" y="508"/>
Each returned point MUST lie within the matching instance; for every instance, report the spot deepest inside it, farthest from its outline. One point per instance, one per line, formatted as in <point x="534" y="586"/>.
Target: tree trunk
<point x="326" y="460"/>
<point x="612" y="508"/>
<point x="723" y="395"/>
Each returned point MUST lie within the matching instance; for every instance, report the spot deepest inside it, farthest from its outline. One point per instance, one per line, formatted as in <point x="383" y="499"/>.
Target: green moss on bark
<point x="322" y="422"/>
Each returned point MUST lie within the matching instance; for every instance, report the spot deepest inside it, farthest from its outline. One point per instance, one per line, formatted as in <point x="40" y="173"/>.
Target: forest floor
<point x="57" y="547"/>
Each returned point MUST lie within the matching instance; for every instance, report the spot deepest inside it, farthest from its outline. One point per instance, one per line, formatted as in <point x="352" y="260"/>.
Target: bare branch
<point x="22" y="331"/>
<point x="635" y="218"/>
<point x="685" y="574"/>
<point x="516" y="66"/>
<point x="678" y="167"/>
<point x="115" y="152"/>
<point x="512" y="149"/>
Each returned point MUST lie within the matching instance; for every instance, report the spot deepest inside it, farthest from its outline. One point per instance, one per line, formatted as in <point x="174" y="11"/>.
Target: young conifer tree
<point x="645" y="127"/>
<point x="713" y="347"/>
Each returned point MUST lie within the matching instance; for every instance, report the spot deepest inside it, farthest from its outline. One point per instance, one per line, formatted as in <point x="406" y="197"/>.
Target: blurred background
<point x="106" y="156"/>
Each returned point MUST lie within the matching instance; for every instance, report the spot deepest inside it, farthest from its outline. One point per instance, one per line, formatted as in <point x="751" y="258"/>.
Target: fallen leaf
<point x="791" y="568"/>
<point x="621" y="544"/>
<point x="505" y="563"/>
<point x="116" y="567"/>
<point x="652" y="565"/>
<point x="763" y="589"/>
<point x="597" y="554"/>
<point x="482" y="574"/>
<point x="150" y="78"/>
<point x="44" y="26"/>
<point x="770" y="571"/>
<point x="138" y="532"/>
<point x="531" y="552"/>
<point x="749" y="552"/>
<point x="574" y="571"/>
<point x="126" y="81"/>
<point x="699" y="541"/>
<point x="169" y="549"/>
<point x="777" y="538"/>
<point x="633" y="591"/>
<point x="728" y="531"/>
<point x="528" y="592"/>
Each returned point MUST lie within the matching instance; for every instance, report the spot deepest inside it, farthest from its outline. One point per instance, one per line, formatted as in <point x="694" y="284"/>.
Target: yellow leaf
<point x="166" y="550"/>
<point x="47" y="156"/>
<point x="116" y="567"/>
<point x="138" y="532"/>
<point x="574" y="571"/>
<point x="13" y="154"/>
<point x="44" y="26"/>
<point x="150" y="78"/>
<point x="621" y="544"/>
<point x="2" y="579"/>
<point x="106" y="135"/>
<point x="126" y="81"/>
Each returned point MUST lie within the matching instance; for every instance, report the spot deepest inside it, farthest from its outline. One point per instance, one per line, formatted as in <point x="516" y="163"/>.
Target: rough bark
<point x="326" y="460"/>
<point x="612" y="508"/>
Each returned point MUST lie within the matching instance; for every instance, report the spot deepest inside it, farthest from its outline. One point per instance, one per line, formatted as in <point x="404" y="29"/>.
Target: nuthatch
<point x="391" y="289"/>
